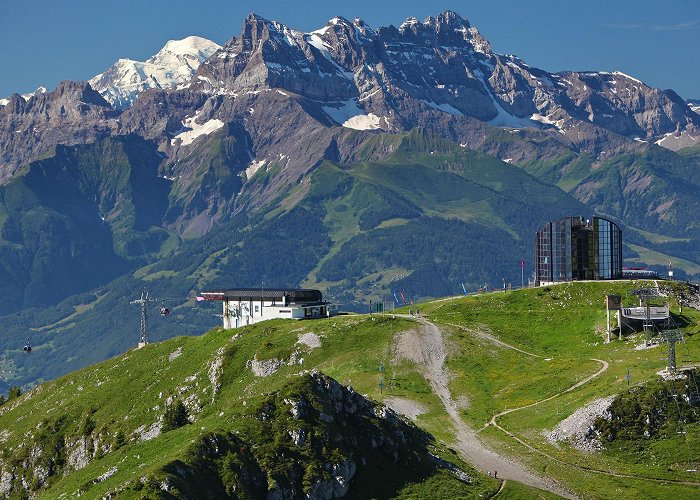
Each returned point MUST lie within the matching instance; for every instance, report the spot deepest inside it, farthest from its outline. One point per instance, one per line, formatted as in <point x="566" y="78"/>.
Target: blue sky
<point x="657" y="41"/>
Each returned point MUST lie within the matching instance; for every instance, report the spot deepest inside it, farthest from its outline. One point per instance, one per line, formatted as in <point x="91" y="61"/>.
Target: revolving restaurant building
<point x="578" y="249"/>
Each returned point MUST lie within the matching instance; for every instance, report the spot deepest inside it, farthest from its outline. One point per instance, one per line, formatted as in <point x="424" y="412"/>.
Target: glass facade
<point x="577" y="249"/>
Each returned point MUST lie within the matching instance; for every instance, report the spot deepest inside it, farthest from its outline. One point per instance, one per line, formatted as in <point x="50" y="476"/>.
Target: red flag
<point x="523" y="264"/>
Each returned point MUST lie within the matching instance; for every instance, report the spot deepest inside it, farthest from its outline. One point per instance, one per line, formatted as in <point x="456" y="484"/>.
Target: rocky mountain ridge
<point x="440" y="74"/>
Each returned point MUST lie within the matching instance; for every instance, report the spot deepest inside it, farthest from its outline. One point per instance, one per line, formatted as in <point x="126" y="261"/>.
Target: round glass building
<point x="575" y="248"/>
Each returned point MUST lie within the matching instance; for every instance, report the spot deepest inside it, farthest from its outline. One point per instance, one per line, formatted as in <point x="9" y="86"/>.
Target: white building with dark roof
<point x="246" y="306"/>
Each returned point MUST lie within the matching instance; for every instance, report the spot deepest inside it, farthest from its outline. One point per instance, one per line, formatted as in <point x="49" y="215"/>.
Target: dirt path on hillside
<point x="426" y="347"/>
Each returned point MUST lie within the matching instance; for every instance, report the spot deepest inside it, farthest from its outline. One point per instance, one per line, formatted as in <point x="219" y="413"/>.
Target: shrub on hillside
<point x="15" y="392"/>
<point x="175" y="416"/>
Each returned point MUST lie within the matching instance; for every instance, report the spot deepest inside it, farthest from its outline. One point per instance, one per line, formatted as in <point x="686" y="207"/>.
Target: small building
<point x="246" y="306"/>
<point x="575" y="248"/>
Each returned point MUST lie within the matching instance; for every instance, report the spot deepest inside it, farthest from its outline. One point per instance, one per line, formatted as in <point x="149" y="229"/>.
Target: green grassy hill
<point x="98" y="430"/>
<point x="515" y="358"/>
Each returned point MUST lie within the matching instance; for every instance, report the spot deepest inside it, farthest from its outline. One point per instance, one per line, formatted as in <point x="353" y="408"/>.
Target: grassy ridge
<point x="565" y="326"/>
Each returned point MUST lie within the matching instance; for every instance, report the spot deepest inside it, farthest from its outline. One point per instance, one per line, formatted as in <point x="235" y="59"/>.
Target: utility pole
<point x="381" y="378"/>
<point x="143" y="302"/>
<point x="522" y="274"/>
<point x="143" y="339"/>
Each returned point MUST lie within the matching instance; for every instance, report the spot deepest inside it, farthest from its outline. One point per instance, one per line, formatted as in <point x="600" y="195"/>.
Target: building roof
<point x="294" y="295"/>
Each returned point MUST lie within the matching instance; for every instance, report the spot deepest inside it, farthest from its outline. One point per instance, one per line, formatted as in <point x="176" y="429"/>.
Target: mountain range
<point x="357" y="160"/>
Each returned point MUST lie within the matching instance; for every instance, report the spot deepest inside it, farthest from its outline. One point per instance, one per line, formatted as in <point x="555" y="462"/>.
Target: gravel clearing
<point x="406" y="407"/>
<point x="576" y="427"/>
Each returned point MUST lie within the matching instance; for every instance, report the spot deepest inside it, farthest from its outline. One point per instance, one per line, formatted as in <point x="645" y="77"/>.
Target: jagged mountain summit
<point x="396" y="78"/>
<point x="173" y="65"/>
<point x="439" y="74"/>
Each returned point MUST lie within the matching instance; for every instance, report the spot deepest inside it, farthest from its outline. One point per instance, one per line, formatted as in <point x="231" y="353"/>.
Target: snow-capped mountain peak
<point x="193" y="49"/>
<point x="173" y="65"/>
<point x="40" y="90"/>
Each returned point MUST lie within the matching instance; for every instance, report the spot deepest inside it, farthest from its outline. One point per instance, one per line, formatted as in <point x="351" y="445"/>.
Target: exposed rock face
<point x="72" y="114"/>
<point x="265" y="367"/>
<point x="625" y="105"/>
<point x="330" y="430"/>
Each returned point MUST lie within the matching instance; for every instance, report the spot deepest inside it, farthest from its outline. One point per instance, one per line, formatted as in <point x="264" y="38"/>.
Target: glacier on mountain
<point x="175" y="64"/>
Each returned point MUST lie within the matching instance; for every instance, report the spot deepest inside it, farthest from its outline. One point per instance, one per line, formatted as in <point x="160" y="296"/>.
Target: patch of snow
<point x="350" y="115"/>
<point x="253" y="168"/>
<point x="505" y="119"/>
<point x="3" y="102"/>
<point x="40" y="90"/>
<point x="620" y="73"/>
<point x="411" y="21"/>
<point x="364" y="98"/>
<point x="542" y="119"/>
<point x="281" y="92"/>
<point x="316" y="41"/>
<point x="322" y="31"/>
<point x="364" y="122"/>
<point x="445" y="107"/>
<point x="196" y="130"/>
<point x="666" y="138"/>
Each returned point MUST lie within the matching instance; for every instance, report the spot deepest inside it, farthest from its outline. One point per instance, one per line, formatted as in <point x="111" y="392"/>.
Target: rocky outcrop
<point x="331" y="434"/>
<point x="74" y="113"/>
